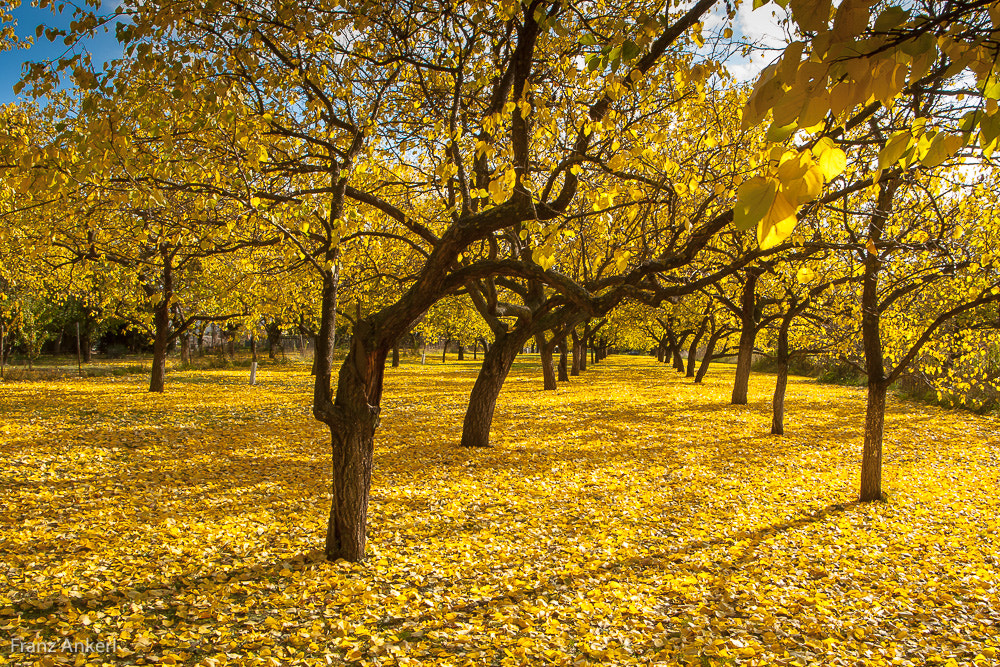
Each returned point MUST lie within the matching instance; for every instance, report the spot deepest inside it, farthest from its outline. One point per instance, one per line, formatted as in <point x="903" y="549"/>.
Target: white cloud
<point x="762" y="30"/>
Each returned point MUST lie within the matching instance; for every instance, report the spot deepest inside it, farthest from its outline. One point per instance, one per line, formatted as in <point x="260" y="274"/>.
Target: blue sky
<point x="760" y="26"/>
<point x="103" y="47"/>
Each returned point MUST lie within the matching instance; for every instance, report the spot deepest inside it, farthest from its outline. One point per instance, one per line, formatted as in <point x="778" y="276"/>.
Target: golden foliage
<point x="630" y="517"/>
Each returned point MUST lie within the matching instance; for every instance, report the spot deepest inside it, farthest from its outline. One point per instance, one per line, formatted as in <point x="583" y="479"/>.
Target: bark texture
<point x="497" y="361"/>
<point x="748" y="334"/>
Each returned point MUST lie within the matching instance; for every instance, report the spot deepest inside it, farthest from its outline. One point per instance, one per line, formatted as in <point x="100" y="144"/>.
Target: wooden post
<point x="79" y="357"/>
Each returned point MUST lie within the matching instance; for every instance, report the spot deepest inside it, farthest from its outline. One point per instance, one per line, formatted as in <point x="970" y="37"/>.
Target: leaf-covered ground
<point x="631" y="517"/>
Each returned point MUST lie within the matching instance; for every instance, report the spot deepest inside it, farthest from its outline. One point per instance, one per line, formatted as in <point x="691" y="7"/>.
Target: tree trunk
<point x="395" y="355"/>
<point x="482" y="402"/>
<point x="253" y="360"/>
<point x="461" y="352"/>
<point x="678" y="360"/>
<point x="475" y="349"/>
<point x="871" y="337"/>
<point x="85" y="340"/>
<point x="748" y="334"/>
<point x="778" y="402"/>
<point x="161" y="330"/>
<point x="577" y="353"/>
<point x="79" y="354"/>
<point x="444" y="350"/>
<point x="563" y="360"/>
<point x="185" y="349"/>
<point x="548" y="371"/>
<point x="161" y="321"/>
<point x="871" y="457"/>
<point x="693" y="350"/>
<point x="352" y="418"/>
<point x="706" y="360"/>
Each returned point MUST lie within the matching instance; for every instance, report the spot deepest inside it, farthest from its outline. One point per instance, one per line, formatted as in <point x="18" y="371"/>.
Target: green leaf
<point x="630" y="50"/>
<point x="778" y="134"/>
<point x="989" y="127"/>
<point x="754" y="199"/>
<point x="891" y="18"/>
<point x="918" y="46"/>
<point x="811" y="15"/>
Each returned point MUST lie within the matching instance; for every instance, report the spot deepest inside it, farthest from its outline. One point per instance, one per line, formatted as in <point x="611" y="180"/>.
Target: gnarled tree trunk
<point x="497" y="361"/>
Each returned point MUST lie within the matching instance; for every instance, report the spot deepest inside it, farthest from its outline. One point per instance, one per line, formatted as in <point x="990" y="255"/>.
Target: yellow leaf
<point x="754" y="199"/>
<point x="832" y="163"/>
<point x="778" y="224"/>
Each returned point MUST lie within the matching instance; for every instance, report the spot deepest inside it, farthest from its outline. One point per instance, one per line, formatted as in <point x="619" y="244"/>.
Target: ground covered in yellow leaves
<point x="629" y="518"/>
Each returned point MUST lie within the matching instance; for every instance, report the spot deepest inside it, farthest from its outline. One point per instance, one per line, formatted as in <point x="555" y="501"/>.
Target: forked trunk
<point x="352" y="417"/>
